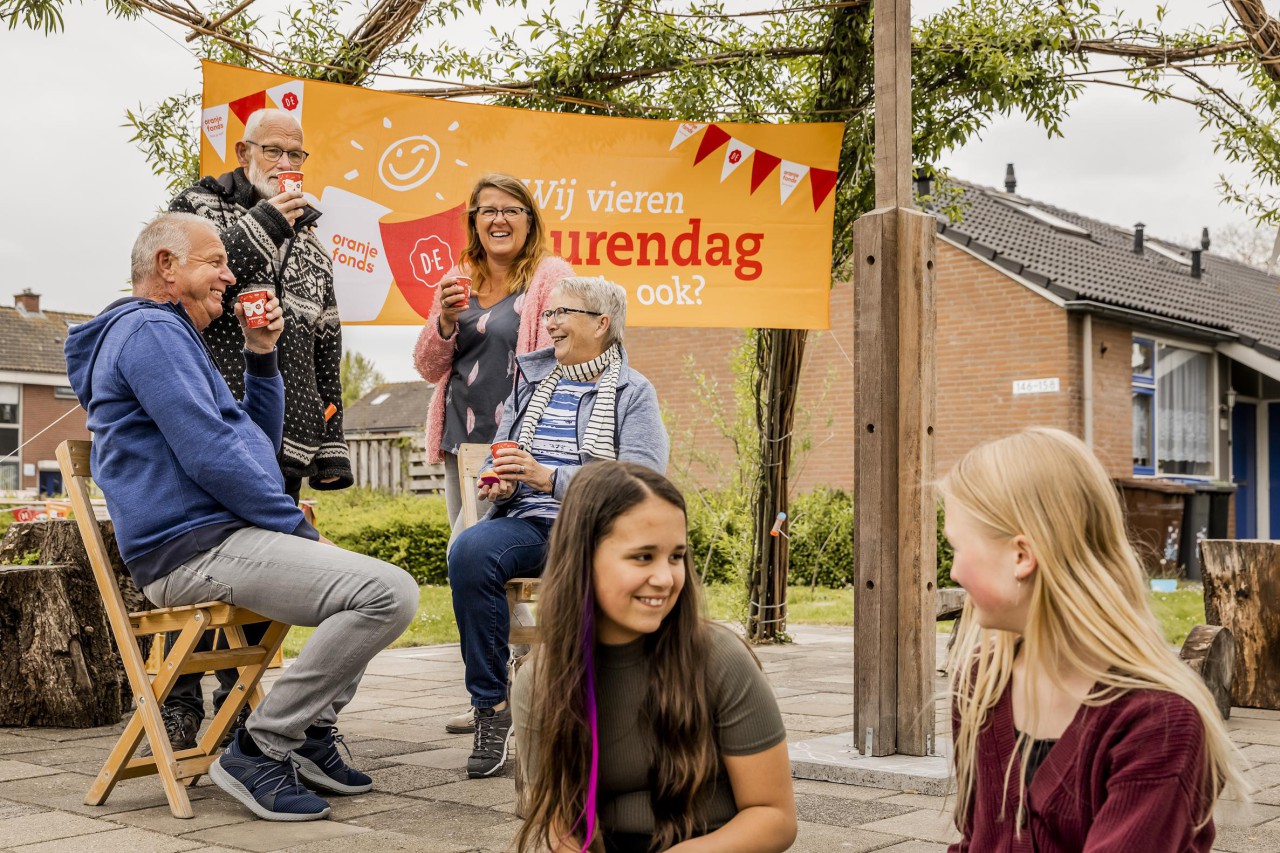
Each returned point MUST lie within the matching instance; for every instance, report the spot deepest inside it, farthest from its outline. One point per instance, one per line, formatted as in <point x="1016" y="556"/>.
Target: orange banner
<point x="705" y="225"/>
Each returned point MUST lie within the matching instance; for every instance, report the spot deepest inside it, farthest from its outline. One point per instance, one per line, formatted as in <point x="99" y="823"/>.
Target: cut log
<point x="950" y="603"/>
<point x="1241" y="587"/>
<point x="1210" y="650"/>
<point x="58" y="662"/>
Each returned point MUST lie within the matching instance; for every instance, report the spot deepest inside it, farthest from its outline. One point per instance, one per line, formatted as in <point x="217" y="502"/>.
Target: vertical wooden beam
<point x="892" y="41"/>
<point x="894" y="354"/>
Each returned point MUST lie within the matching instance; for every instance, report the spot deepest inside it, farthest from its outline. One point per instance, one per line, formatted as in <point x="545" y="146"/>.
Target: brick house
<point x="34" y="393"/>
<point x="1165" y="358"/>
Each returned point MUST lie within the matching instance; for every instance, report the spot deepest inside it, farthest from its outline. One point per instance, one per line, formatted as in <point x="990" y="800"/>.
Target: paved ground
<point x="423" y="802"/>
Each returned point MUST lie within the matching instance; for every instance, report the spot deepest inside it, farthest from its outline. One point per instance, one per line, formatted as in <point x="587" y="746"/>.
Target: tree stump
<point x="58" y="661"/>
<point x="1210" y="650"/>
<point x="1241" y="588"/>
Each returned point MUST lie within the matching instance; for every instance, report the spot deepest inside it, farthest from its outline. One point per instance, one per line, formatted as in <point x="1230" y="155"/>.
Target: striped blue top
<point x="555" y="443"/>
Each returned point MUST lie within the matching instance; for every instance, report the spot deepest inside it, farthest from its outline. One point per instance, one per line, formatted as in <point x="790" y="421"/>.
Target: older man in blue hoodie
<point x="200" y="511"/>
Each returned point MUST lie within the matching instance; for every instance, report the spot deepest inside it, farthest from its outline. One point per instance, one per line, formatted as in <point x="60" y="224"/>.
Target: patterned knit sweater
<point x="259" y="242"/>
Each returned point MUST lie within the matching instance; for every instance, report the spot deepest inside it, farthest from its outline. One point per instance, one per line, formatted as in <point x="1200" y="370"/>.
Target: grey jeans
<point x="358" y="605"/>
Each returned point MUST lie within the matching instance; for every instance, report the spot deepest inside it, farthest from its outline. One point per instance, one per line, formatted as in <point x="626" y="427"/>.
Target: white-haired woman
<point x="574" y="402"/>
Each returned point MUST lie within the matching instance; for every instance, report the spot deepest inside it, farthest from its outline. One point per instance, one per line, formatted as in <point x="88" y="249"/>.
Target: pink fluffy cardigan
<point x="433" y="355"/>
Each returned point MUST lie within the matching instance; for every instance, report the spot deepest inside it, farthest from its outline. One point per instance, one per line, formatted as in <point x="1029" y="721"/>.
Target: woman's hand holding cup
<point x="455" y="297"/>
<point x="515" y="465"/>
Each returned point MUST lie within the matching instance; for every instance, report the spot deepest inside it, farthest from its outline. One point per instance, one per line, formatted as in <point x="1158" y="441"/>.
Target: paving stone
<point x="62" y="755"/>
<point x="921" y="801"/>
<point x="48" y="826"/>
<point x="445" y="821"/>
<point x="924" y="824"/>
<point x="380" y="747"/>
<point x="800" y="705"/>
<point x="1257" y="753"/>
<point x="67" y="735"/>
<point x="383" y="840"/>
<point x="410" y="777"/>
<point x="1265" y="775"/>
<point x="130" y="839"/>
<point x="915" y="847"/>
<point x="826" y="725"/>
<point x="1247" y="839"/>
<point x="66" y="791"/>
<point x="11" y="770"/>
<point x="498" y="837"/>
<point x="1254" y="714"/>
<point x="347" y="809"/>
<point x="12" y="743"/>
<point x="382" y="713"/>
<point x="1232" y="813"/>
<point x="820" y="838"/>
<point x="1263" y="736"/>
<point x="10" y="808"/>
<point x="261" y="836"/>
<point x="450" y="758"/>
<point x="477" y="792"/>
<point x="428" y="701"/>
<point x="388" y="731"/>
<point x="209" y="811"/>
<point x="841" y="811"/>
<point x="839" y="791"/>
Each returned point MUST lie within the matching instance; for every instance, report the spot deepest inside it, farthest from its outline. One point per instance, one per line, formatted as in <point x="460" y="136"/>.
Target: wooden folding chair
<point x="149" y="694"/>
<point x="520" y="591"/>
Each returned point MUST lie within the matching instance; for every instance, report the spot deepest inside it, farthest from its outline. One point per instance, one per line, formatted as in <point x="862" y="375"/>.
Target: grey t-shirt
<point x="484" y="369"/>
<point x="746" y="717"/>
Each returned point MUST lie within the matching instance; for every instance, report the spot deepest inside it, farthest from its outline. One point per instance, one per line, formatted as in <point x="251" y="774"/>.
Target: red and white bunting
<point x="684" y="131"/>
<point x="737" y="153"/>
<point x="213" y="122"/>
<point x="288" y="97"/>
<point x="789" y="177"/>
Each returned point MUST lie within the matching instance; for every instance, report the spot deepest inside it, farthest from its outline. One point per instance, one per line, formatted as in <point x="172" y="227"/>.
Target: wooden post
<point x="894" y="396"/>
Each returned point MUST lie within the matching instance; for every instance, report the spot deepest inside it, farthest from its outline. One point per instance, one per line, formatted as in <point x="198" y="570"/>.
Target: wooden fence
<point x="394" y="462"/>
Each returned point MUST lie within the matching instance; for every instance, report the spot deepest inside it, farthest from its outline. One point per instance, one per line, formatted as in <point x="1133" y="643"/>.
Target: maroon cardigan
<point x="1124" y="777"/>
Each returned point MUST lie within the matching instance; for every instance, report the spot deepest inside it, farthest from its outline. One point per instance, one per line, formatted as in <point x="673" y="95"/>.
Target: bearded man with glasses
<point x="271" y="245"/>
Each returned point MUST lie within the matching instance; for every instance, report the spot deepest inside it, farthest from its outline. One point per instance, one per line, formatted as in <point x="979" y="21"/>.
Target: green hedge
<point x="821" y="531"/>
<point x="413" y="532"/>
<point x="409" y="531"/>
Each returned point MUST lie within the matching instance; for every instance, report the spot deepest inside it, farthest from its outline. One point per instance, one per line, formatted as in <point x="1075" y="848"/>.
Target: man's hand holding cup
<point x="261" y="320"/>
<point x="289" y="201"/>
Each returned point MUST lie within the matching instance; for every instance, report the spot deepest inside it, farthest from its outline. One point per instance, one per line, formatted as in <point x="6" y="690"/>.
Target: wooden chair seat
<point x="191" y="621"/>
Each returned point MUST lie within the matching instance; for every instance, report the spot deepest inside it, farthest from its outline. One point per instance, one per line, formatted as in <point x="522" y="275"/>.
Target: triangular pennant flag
<point x="822" y="182"/>
<point x="790" y="177"/>
<point x="288" y="97"/>
<point x="683" y="132"/>
<point x="711" y="140"/>
<point x="244" y="107"/>
<point x="735" y="156"/>
<point x="214" y="123"/>
<point x="762" y="167"/>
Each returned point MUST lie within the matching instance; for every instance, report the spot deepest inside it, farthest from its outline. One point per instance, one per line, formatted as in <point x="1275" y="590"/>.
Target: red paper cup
<point x="465" y="282"/>
<point x="289" y="182"/>
<point x="502" y="445"/>
<point x="255" y="308"/>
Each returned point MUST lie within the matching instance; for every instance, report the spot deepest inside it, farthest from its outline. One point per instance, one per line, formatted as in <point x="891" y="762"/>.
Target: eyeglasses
<point x="507" y="212"/>
<point x="272" y="153"/>
<point x="557" y="314"/>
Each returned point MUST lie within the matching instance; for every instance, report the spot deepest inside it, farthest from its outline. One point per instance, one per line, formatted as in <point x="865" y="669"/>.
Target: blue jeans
<point x="483" y="558"/>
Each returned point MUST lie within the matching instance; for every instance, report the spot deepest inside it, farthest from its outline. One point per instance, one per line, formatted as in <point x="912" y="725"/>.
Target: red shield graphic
<point x="421" y="251"/>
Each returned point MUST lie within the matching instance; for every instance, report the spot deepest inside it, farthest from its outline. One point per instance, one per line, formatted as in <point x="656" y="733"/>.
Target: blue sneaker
<point x="268" y="788"/>
<point x="320" y="763"/>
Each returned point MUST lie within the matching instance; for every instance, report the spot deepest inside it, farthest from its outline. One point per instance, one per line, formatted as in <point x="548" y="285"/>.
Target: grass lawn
<point x="1177" y="613"/>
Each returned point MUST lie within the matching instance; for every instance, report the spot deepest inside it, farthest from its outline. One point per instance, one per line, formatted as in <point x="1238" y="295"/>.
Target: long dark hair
<point x="676" y="705"/>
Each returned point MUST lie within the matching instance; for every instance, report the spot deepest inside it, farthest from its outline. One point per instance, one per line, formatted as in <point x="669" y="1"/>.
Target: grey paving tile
<point x="1254" y="714"/>
<point x="128" y="839"/>
<point x="60" y="755"/>
<point x="1247" y="839"/>
<point x="48" y="826"/>
<point x="68" y="735"/>
<point x="11" y="770"/>
<point x="1256" y="753"/>
<point x="261" y="836"/>
<point x="347" y="809"/>
<point x="408" y="777"/>
<point x="388" y="731"/>
<point x="444" y="821"/>
<point x="372" y="747"/>
<point x="450" y="758"/>
<point x="842" y="811"/>
<point x="915" y="847"/>
<point x="922" y="801"/>
<point x="209" y="811"/>
<point x="924" y="825"/>
<point x="13" y="743"/>
<point x="820" y="838"/>
<point x="382" y="713"/>
<point x="66" y="791"/>
<point x="383" y="840"/>
<point x="833" y="789"/>
<point x="1230" y="813"/>
<point x="477" y="792"/>
<point x="11" y="808"/>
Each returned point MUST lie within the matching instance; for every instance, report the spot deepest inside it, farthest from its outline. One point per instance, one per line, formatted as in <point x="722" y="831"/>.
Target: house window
<point x="1171" y="412"/>
<point x="64" y="392"/>
<point x="9" y="436"/>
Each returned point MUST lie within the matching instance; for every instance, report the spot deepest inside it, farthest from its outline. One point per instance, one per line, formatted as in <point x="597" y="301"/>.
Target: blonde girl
<point x="1060" y="675"/>
<point x="642" y="726"/>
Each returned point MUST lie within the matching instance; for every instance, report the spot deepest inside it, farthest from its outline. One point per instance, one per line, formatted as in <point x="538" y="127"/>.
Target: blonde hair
<point x="532" y="253"/>
<point x="1088" y="607"/>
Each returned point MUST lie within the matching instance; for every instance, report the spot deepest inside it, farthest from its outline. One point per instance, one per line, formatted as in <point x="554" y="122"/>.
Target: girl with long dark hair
<point x="642" y="726"/>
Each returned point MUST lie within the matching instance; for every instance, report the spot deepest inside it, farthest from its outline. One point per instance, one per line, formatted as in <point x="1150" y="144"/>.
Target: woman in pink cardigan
<point x="468" y="347"/>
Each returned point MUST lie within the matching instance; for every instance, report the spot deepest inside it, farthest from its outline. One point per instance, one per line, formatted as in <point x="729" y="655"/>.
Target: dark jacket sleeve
<point x="251" y="240"/>
<point x="333" y="458"/>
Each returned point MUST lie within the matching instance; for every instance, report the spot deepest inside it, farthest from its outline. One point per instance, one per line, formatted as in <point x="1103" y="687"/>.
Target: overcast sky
<point x="76" y="191"/>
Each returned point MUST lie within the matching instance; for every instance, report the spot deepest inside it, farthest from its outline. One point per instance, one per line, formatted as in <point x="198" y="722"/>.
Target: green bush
<point x="822" y="539"/>
<point x="411" y="532"/>
<point x="719" y="534"/>
<point x="945" y="554"/>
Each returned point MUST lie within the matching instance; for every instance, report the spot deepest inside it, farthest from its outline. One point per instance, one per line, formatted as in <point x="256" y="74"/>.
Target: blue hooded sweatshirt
<point x="182" y="464"/>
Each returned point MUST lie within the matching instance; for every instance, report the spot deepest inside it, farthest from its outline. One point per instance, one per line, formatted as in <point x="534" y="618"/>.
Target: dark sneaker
<point x="241" y="719"/>
<point x="493" y="735"/>
<point x="268" y="788"/>
<point x="320" y="763"/>
<point x="180" y="723"/>
<point x="463" y="724"/>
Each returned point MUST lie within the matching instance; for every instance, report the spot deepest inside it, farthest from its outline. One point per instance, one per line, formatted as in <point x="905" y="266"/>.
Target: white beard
<point x="266" y="186"/>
